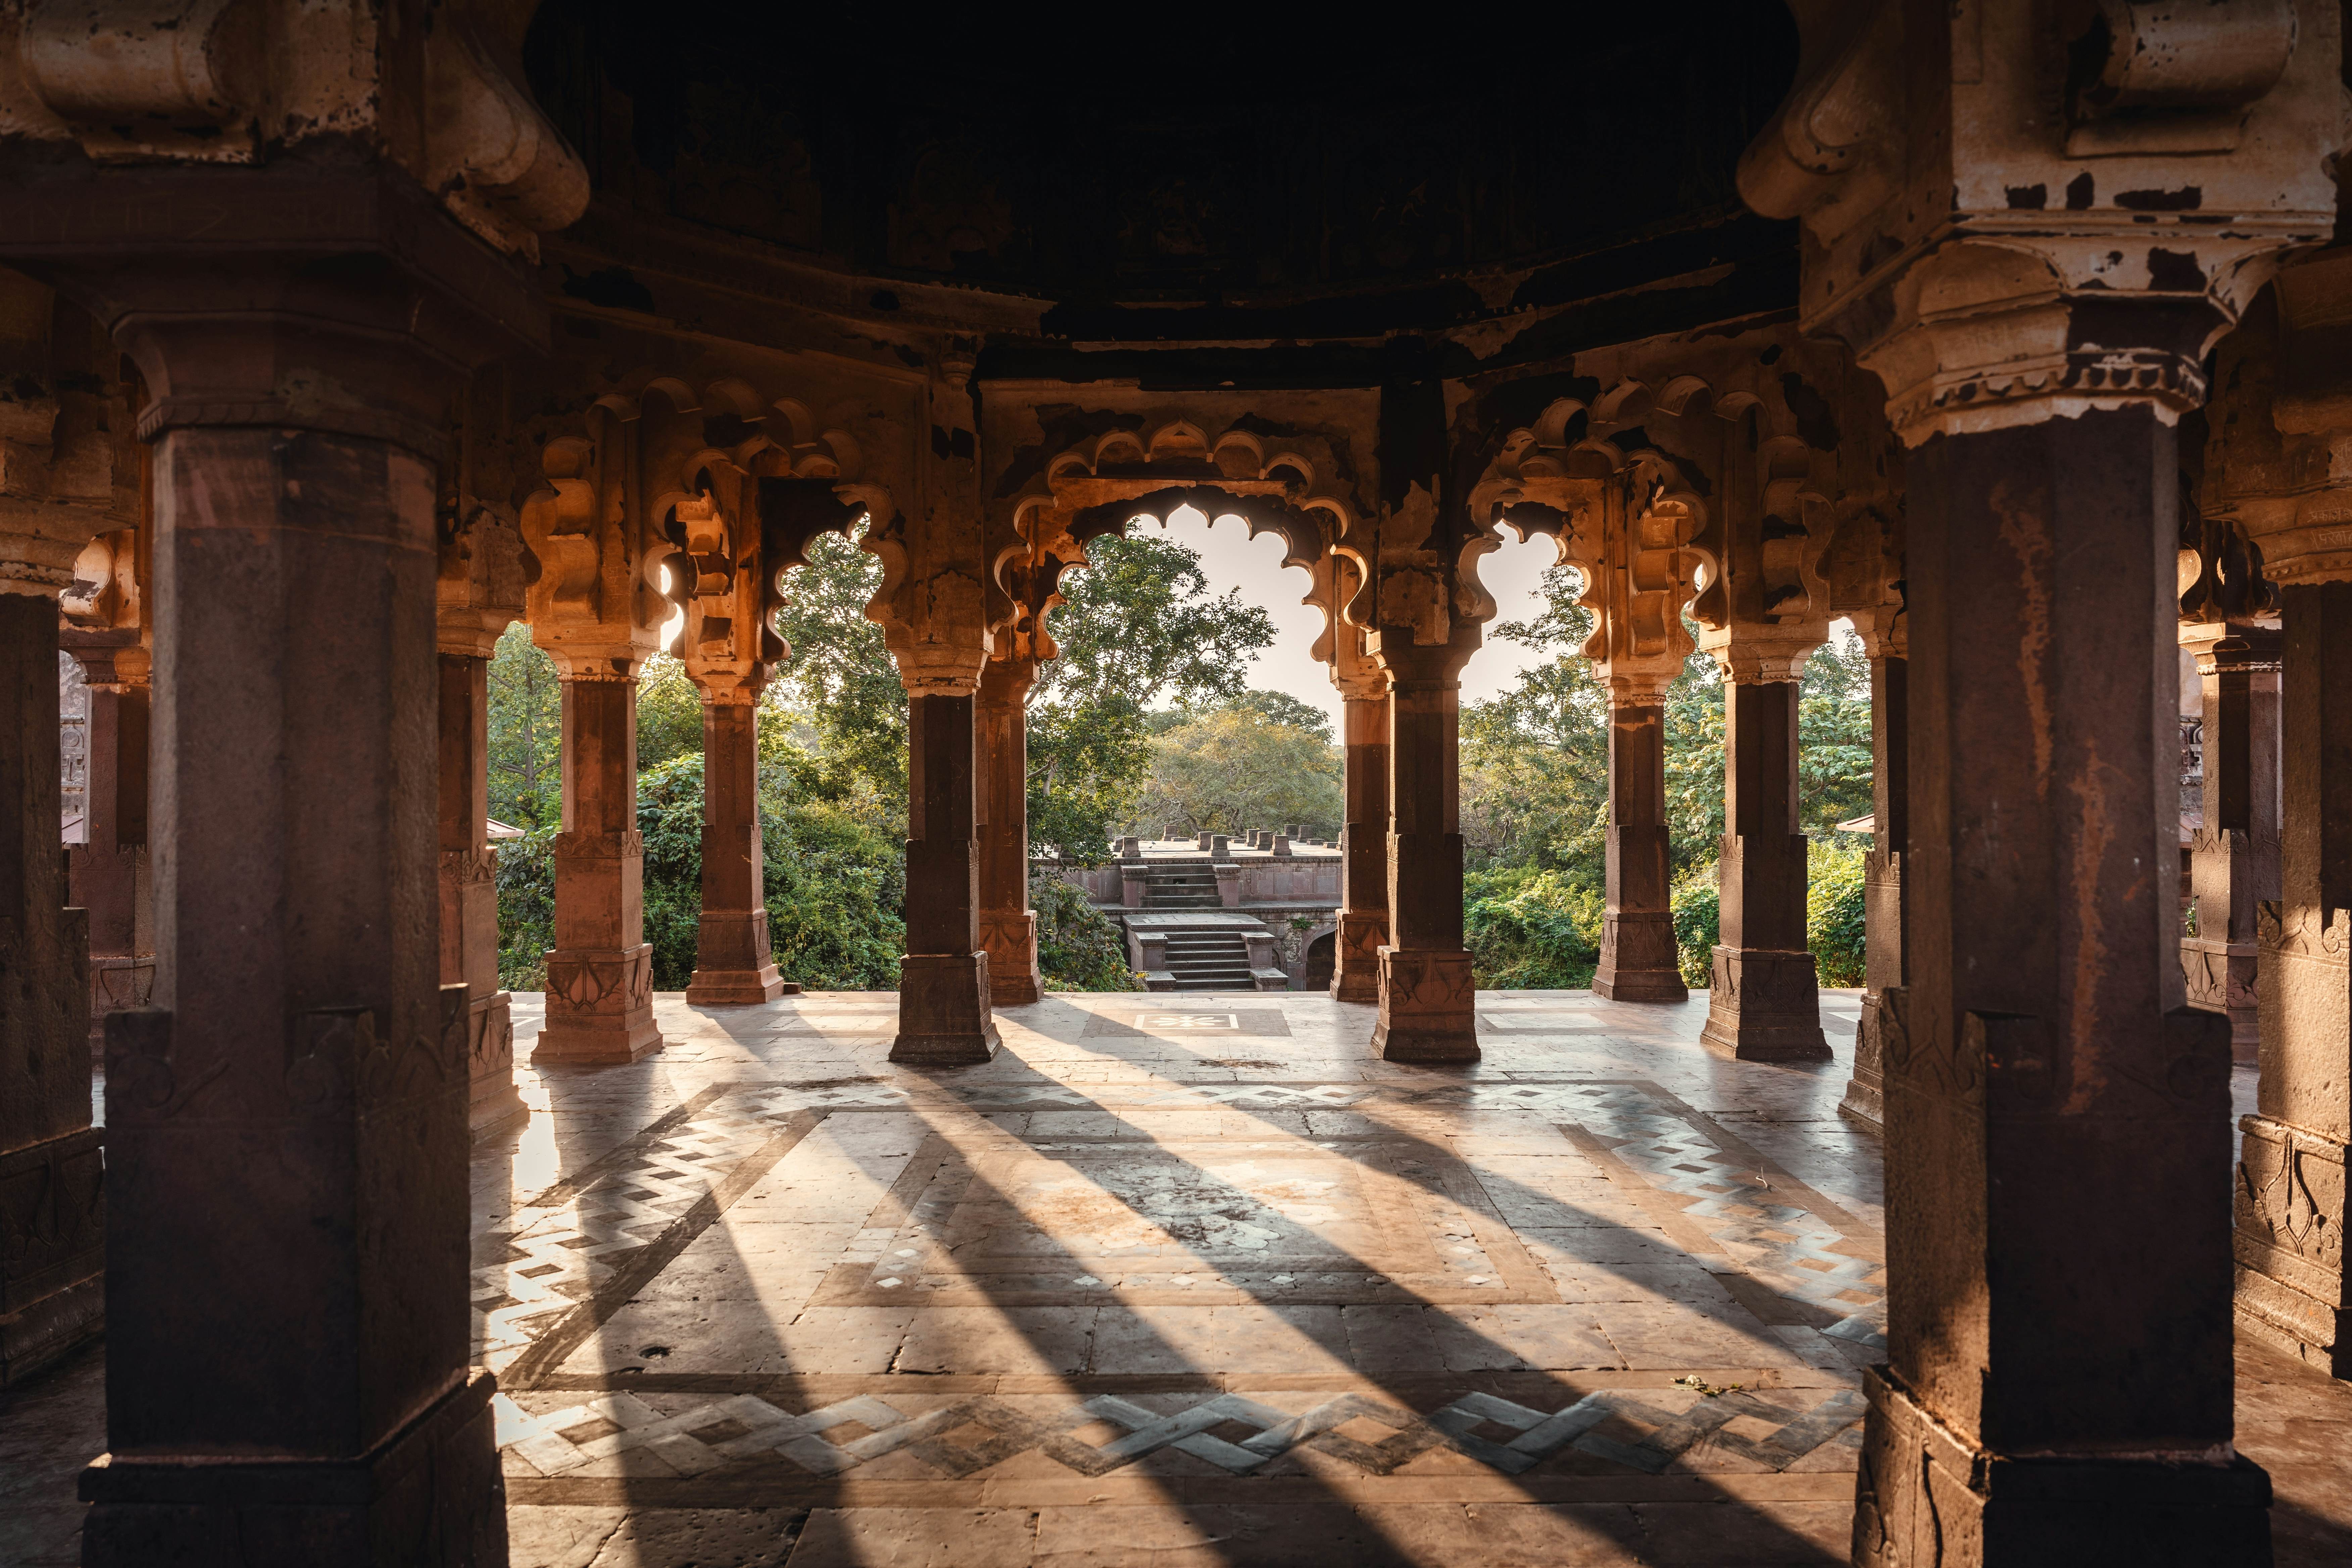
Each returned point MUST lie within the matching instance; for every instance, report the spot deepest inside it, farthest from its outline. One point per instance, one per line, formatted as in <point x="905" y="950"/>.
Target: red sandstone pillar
<point x="469" y="891"/>
<point x="1427" y="990"/>
<point x="110" y="870"/>
<point x="2291" y="1207"/>
<point x="2234" y="861"/>
<point x="600" y="976"/>
<point x="944" y="1014"/>
<point x="51" y="1295"/>
<point x="287" y="1254"/>
<point x="1638" y="958"/>
<point x="733" y="965"/>
<point x="1008" y="928"/>
<point x="1763" y="1003"/>
<point x="1363" y="844"/>
<point x="1882" y="886"/>
<point x="2059" y="1365"/>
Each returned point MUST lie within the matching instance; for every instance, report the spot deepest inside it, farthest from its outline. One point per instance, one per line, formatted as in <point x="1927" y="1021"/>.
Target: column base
<point x="494" y="1101"/>
<point x="117" y="981"/>
<point x="2290" y="1290"/>
<point x="1355" y="955"/>
<point x="1865" y="1092"/>
<point x="1009" y="937"/>
<point x="1427" y="1000"/>
<point x="944" y="1010"/>
<point x="2221" y="977"/>
<point x="600" y="1008"/>
<point x="1765" y="1006"/>
<point x="1638" y="960"/>
<point x="52" y="1283"/>
<point x="738" y="987"/>
<point x="432" y="1494"/>
<point x="1927" y="1495"/>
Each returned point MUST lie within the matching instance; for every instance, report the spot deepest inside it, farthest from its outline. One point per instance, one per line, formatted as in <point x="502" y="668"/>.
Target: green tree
<point x="1137" y="626"/>
<point x="1834" y="768"/>
<point x="1230" y="770"/>
<point x="526" y="732"/>
<point x="669" y="713"/>
<point x="839" y="673"/>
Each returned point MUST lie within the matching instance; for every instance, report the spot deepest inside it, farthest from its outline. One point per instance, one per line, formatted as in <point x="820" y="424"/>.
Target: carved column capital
<point x="2103" y="193"/>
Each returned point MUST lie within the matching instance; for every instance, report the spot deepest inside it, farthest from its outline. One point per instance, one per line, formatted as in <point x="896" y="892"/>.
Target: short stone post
<point x="1764" y="1003"/>
<point x="1008" y="927"/>
<point x="1639" y="961"/>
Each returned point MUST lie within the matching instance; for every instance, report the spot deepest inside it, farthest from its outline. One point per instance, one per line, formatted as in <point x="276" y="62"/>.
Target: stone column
<point x="1363" y="844"/>
<point x="1427" y="990"/>
<point x="1008" y="928"/>
<point x="2056" y="1121"/>
<point x="944" y="1014"/>
<point x="51" y="1295"/>
<point x="1638" y="960"/>
<point x="1882" y="885"/>
<point x="286" y="1256"/>
<point x="600" y="976"/>
<point x="109" y="872"/>
<point x="2291" y="1209"/>
<point x="2234" y="860"/>
<point x="1763" y="1003"/>
<point x="733" y="965"/>
<point x="469" y="888"/>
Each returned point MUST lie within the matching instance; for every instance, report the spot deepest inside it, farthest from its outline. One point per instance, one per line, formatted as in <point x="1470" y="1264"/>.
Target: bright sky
<point x="1231" y="559"/>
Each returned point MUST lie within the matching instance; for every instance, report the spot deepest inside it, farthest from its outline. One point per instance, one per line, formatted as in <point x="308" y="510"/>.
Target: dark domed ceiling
<point x="1362" y="173"/>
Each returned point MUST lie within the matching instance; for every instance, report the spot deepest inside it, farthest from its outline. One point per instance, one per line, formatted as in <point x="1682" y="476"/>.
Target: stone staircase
<point x="1186" y="886"/>
<point x="1208" y="960"/>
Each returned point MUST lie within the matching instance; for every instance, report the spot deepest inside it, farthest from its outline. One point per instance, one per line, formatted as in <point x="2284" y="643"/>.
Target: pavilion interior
<point x="340" y="337"/>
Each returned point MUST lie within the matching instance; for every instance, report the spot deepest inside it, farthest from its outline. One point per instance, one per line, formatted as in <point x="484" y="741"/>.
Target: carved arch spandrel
<point x="721" y="488"/>
<point x="1713" y="478"/>
<point x="1153" y="470"/>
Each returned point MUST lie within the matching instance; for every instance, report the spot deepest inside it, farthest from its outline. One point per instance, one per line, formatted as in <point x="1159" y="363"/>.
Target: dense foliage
<point x="1534" y="804"/>
<point x="1256" y="761"/>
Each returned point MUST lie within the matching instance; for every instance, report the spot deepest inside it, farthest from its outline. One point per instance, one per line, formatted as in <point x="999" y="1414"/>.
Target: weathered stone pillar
<point x="1008" y="928"/>
<point x="1427" y="990"/>
<point x="1363" y="844"/>
<point x="1763" y="1003"/>
<point x="944" y="1014"/>
<point x="287" y="1127"/>
<point x="2291" y="1207"/>
<point x="600" y="976"/>
<point x="2234" y="860"/>
<point x="109" y="872"/>
<point x="2059" y="1368"/>
<point x="733" y="965"/>
<point x="2039" y="1045"/>
<point x="1882" y="886"/>
<point x="469" y="888"/>
<point x="1638" y="959"/>
<point x="51" y="1295"/>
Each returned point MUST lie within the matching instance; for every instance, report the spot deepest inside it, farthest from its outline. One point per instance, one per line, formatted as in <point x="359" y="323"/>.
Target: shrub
<point x="836" y="898"/>
<point x="1531" y="930"/>
<point x="1834" y="910"/>
<point x="525" y="908"/>
<point x="1697" y="904"/>
<point x="1078" y="948"/>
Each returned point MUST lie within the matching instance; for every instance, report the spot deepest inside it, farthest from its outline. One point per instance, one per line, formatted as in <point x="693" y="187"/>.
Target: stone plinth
<point x="944" y="1008"/>
<point x="600" y="976"/>
<point x="1639" y="961"/>
<point x="1763" y="1002"/>
<point x="733" y="965"/>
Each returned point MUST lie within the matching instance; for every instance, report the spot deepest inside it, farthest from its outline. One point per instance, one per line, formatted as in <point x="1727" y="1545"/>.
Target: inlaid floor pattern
<point x="1197" y="1285"/>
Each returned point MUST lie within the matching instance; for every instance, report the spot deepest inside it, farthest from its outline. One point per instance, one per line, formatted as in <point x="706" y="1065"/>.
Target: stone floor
<point x="1208" y="1286"/>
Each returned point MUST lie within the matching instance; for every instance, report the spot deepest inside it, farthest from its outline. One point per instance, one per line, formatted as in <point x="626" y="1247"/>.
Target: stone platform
<point x="1209" y="1286"/>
